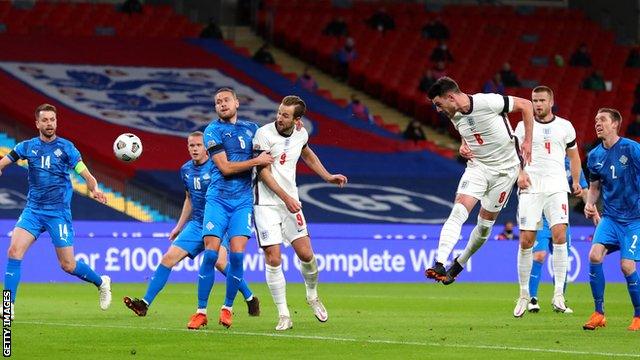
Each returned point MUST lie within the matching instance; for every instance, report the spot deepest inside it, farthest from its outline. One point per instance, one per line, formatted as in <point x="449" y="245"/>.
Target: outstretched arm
<point x="184" y="216"/>
<point x="575" y="167"/>
<point x="4" y="162"/>
<point x="228" y="168"/>
<point x="311" y="159"/>
<point x="590" y="209"/>
<point x="526" y="108"/>
<point x="92" y="183"/>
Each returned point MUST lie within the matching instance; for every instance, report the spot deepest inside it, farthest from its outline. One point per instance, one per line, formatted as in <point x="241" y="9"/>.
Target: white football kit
<point x="495" y="165"/>
<point x="548" y="191"/>
<point x="274" y="223"/>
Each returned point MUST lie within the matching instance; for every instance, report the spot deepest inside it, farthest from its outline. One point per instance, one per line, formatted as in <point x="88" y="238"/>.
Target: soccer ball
<point x="127" y="147"/>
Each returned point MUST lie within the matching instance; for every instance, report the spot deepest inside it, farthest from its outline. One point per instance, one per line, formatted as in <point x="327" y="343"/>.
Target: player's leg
<point x="268" y="223"/>
<point x="253" y="303"/>
<point x="629" y="256"/>
<point x="540" y="249"/>
<point x="239" y="232"/>
<point x="604" y="241"/>
<point x="21" y="240"/>
<point x="471" y="187"/>
<point x="59" y="227"/>
<point x="556" y="211"/>
<point x="214" y="225"/>
<point x="158" y="280"/>
<point x="309" y="270"/>
<point x="497" y="191"/>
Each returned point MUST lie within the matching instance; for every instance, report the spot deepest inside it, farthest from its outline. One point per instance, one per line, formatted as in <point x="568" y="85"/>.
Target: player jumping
<point x="488" y="139"/>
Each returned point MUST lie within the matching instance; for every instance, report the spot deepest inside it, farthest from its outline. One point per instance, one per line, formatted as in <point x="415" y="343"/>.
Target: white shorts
<point x="555" y="207"/>
<point x="276" y="225"/>
<point x="491" y="187"/>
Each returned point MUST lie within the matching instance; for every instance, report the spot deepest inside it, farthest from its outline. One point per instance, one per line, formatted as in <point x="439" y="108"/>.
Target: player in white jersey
<point x="492" y="170"/>
<point x="277" y="209"/>
<point x="543" y="189"/>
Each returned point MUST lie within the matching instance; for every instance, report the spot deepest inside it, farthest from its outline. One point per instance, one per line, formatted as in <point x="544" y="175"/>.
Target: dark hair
<point x="226" y="89"/>
<point x="300" y="106"/>
<point x="45" y="107"/>
<point x="443" y="86"/>
<point x="613" y="113"/>
<point x="542" y="88"/>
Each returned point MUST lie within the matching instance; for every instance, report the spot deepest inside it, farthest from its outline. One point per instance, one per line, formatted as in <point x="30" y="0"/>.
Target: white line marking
<point x="332" y="338"/>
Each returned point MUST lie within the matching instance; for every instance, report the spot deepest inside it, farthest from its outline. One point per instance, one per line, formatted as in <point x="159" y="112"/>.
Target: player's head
<point x="542" y="99"/>
<point x="195" y="145"/>
<point x="608" y="122"/>
<point x="443" y="95"/>
<point x="46" y="121"/>
<point x="226" y="102"/>
<point x="291" y="109"/>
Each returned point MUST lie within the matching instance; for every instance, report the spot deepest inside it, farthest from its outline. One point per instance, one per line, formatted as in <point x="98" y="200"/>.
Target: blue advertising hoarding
<point x="130" y="252"/>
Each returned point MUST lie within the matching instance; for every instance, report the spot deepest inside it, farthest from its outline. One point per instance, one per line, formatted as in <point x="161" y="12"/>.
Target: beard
<point x="230" y="113"/>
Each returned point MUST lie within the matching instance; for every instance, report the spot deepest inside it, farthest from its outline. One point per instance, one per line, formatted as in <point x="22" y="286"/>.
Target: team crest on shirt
<point x="249" y="133"/>
<point x="211" y="144"/>
<point x="264" y="235"/>
<point x="470" y="121"/>
<point x="546" y="131"/>
<point x="464" y="184"/>
<point x="58" y="152"/>
<point x="209" y="226"/>
<point x="206" y="177"/>
<point x="623" y="160"/>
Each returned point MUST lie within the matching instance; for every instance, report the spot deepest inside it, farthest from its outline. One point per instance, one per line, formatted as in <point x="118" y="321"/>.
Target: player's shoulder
<point x="248" y="124"/>
<point x="64" y="142"/>
<point x="629" y="142"/>
<point x="267" y="129"/>
<point x="213" y="126"/>
<point x="186" y="166"/>
<point x="29" y="142"/>
<point x="597" y="151"/>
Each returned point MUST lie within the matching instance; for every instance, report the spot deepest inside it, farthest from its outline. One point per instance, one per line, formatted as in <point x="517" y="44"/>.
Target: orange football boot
<point x="197" y="321"/>
<point x="635" y="324"/>
<point x="226" y="318"/>
<point x="595" y="321"/>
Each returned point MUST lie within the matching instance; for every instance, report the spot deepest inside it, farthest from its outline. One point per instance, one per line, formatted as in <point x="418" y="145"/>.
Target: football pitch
<point x="390" y="320"/>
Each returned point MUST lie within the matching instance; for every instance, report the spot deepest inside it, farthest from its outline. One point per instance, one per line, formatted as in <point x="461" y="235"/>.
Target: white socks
<point x="450" y="233"/>
<point x="477" y="238"/>
<point x="525" y="262"/>
<point x="560" y="260"/>
<point x="309" y="272"/>
<point x="278" y="288"/>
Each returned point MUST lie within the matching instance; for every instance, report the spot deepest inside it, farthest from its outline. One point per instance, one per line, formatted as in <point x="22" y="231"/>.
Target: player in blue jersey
<point x="187" y="234"/>
<point x="229" y="200"/>
<point x="544" y="245"/>
<point x="49" y="203"/>
<point x="614" y="171"/>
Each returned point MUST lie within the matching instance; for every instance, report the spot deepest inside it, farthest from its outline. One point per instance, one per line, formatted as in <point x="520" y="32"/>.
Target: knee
<point x="595" y="257"/>
<point x="539" y="256"/>
<point x="14" y="253"/>
<point x="221" y="264"/>
<point x="527" y="239"/>
<point x="169" y="261"/>
<point x="628" y="267"/>
<point x="68" y="265"/>
<point x="485" y="226"/>
<point x="306" y="256"/>
<point x="272" y="259"/>
<point x="459" y="213"/>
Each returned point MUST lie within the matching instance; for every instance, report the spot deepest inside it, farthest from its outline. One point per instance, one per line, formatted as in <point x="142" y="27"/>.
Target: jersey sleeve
<point x="260" y="142"/>
<point x="570" y="138"/>
<point x="635" y="154"/>
<point x="73" y="155"/>
<point x="212" y="140"/>
<point x="593" y="173"/>
<point x="499" y="104"/>
<point x="19" y="152"/>
<point x="583" y="180"/>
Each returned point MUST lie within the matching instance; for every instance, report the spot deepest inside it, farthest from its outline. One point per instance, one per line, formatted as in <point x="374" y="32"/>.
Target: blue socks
<point x="206" y="277"/>
<point x="84" y="272"/>
<point x="244" y="287"/>
<point x="534" y="279"/>
<point x="158" y="280"/>
<point x="596" y="279"/>
<point x="12" y="277"/>
<point x="234" y="277"/>
<point x="634" y="292"/>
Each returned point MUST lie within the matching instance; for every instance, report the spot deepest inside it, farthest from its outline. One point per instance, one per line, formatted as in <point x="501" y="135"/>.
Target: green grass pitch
<point x="386" y="321"/>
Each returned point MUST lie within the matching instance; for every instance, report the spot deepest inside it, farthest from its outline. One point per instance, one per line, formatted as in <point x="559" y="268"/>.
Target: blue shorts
<point x="616" y="235"/>
<point x="190" y="239"/>
<point x="227" y="216"/>
<point x="56" y="222"/>
<point x="544" y="240"/>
